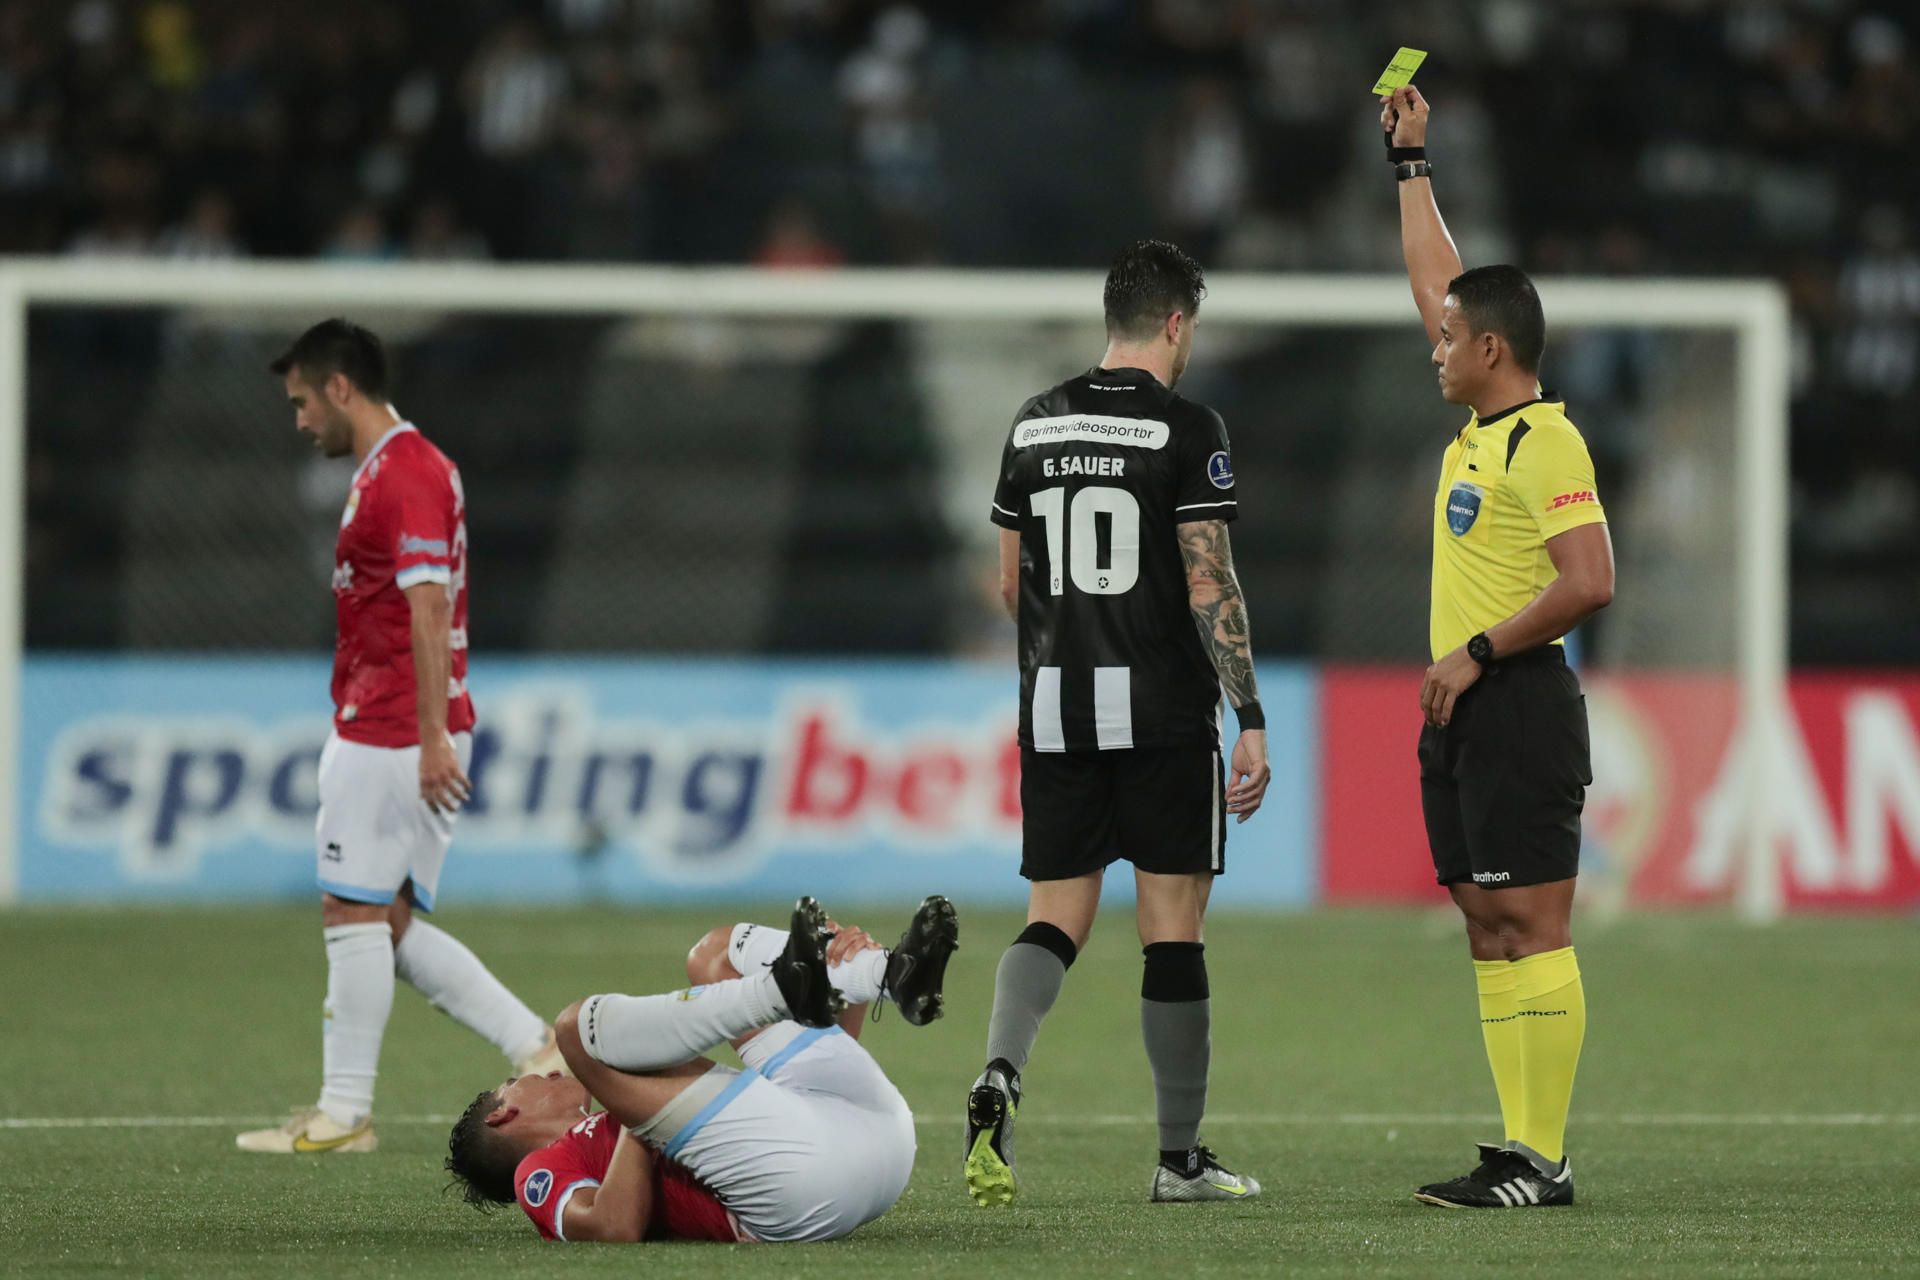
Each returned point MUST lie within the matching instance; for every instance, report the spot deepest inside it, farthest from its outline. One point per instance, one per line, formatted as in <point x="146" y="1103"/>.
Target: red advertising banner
<point x="1670" y="814"/>
<point x="1373" y="842"/>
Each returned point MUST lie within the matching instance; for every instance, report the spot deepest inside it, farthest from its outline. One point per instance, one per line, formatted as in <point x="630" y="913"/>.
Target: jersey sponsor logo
<point x="1220" y="470"/>
<point x="1134" y="433"/>
<point x="539" y="1187"/>
<point x="1572" y="499"/>
<point x="1463" y="507"/>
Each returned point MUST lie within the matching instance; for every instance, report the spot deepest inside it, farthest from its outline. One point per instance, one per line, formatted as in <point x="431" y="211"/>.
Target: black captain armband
<point x="1251" y="717"/>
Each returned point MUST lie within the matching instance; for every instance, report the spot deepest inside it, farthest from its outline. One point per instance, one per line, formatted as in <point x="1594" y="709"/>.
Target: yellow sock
<point x="1500" y="1028"/>
<point x="1553" y="1022"/>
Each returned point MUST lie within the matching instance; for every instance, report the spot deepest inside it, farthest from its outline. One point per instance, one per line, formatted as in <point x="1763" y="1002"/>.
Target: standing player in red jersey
<point x="394" y="769"/>
<point x="810" y="1142"/>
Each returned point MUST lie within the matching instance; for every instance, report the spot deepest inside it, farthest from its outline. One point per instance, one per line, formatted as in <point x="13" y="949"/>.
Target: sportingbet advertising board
<point x="632" y="781"/>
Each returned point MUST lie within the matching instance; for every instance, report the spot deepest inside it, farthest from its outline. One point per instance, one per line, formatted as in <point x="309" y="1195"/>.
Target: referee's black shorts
<point x="1503" y="784"/>
<point x="1161" y="808"/>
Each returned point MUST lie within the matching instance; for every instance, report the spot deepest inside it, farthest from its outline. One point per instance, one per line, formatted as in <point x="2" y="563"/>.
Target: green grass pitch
<point x="1746" y="1105"/>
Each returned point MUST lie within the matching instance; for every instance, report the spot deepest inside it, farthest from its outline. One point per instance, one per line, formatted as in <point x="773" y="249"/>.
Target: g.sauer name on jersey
<point x="1096" y="476"/>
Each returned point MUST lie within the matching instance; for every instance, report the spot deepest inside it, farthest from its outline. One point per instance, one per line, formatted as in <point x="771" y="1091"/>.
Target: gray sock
<point x="1176" y="1023"/>
<point x="1024" y="989"/>
<point x="1180" y="1047"/>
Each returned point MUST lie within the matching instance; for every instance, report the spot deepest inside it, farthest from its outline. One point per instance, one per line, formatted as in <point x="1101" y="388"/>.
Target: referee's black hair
<point x="1502" y="300"/>
<point x="479" y="1158"/>
<point x="1149" y="281"/>
<point x="338" y="346"/>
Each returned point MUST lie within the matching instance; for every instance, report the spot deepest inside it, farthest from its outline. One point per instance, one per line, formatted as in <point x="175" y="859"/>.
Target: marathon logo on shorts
<point x="1491" y="877"/>
<point x="1463" y="507"/>
<point x="539" y="1187"/>
<point x="1572" y="499"/>
<point x="699" y="801"/>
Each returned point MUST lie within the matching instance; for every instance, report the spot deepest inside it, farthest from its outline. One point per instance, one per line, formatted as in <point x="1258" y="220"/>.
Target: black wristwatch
<point x="1480" y="649"/>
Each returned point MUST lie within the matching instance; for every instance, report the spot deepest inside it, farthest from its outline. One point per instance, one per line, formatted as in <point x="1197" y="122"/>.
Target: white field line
<point x="1840" y="1120"/>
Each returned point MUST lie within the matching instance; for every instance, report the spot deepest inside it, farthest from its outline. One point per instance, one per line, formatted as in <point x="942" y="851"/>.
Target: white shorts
<point x="374" y="832"/>
<point x="809" y="1143"/>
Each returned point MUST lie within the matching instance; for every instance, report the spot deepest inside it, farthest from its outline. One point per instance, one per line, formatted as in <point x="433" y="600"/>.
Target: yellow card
<point x="1399" y="72"/>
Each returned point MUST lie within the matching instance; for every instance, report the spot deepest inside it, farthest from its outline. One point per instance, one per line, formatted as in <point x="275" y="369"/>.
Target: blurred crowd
<point x="1600" y="136"/>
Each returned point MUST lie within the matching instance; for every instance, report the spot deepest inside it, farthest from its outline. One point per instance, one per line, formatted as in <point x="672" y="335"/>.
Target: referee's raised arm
<point x="1432" y="260"/>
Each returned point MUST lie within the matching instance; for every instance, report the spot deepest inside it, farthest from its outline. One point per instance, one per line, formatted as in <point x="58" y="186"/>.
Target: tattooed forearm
<point x="1213" y="592"/>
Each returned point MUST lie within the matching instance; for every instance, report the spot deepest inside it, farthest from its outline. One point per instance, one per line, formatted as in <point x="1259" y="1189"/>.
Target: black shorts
<point x="1503" y="784"/>
<point x="1161" y="808"/>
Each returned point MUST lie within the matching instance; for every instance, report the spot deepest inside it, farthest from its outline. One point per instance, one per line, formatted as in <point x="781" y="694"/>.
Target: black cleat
<point x="800" y="972"/>
<point x="1506" y="1179"/>
<point x="917" y="967"/>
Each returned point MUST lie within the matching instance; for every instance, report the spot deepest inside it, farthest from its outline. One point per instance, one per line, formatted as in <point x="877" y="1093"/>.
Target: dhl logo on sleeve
<point x="1572" y="499"/>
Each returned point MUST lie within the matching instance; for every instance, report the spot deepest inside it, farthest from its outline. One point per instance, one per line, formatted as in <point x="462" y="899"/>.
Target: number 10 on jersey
<point x="1073" y="538"/>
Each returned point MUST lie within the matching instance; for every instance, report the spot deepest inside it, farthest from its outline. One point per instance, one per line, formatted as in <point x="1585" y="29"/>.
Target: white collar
<point x="396" y="429"/>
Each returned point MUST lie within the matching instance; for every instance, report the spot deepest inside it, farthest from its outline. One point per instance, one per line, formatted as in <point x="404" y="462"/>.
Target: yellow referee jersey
<point x="1506" y="486"/>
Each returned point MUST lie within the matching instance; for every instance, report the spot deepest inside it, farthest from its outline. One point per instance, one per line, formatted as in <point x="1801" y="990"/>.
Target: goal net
<point x="675" y="466"/>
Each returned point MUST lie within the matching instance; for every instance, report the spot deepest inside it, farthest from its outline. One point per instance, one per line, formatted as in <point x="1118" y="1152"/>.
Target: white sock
<point x="359" y="998"/>
<point x="752" y="947"/>
<point x="442" y="969"/>
<point x="646" y="1033"/>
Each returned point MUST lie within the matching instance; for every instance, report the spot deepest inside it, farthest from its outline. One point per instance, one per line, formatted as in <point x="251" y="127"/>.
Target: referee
<point x="1521" y="556"/>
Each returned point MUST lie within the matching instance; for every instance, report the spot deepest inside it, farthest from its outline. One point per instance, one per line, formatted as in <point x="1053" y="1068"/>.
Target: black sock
<point x="1185" y="1163"/>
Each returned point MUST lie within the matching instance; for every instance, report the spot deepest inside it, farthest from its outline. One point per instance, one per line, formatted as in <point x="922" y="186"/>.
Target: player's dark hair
<point x="338" y="346"/>
<point x="1502" y="300"/>
<point x="1149" y="281"/>
<point x="480" y="1158"/>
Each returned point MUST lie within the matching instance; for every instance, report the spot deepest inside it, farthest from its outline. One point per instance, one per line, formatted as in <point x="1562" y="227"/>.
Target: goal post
<point x="1752" y="313"/>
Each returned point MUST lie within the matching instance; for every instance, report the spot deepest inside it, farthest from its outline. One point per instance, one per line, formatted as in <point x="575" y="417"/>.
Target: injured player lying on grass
<point x="810" y="1142"/>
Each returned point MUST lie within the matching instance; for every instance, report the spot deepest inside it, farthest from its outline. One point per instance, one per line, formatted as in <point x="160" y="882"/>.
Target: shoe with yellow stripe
<point x="1204" y="1178"/>
<point x="310" y="1131"/>
<point x="1506" y="1179"/>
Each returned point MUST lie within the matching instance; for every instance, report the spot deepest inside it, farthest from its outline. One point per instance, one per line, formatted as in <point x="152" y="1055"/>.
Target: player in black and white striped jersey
<point x="1113" y="503"/>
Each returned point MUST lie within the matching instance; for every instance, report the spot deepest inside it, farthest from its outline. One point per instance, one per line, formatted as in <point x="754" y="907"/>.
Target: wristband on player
<point x="1414" y="169"/>
<point x="1401" y="155"/>
<point x="1251" y="716"/>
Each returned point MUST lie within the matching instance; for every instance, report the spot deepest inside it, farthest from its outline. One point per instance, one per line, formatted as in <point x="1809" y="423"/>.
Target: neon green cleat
<point x="990" y="1110"/>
